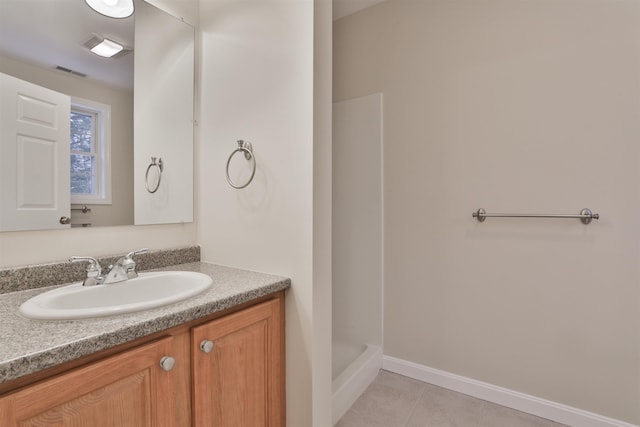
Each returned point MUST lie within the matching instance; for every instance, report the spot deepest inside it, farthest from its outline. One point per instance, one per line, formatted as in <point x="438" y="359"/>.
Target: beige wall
<point x="322" y="239"/>
<point x="523" y="106"/>
<point x="257" y="84"/>
<point x="34" y="247"/>
<point x="120" y="211"/>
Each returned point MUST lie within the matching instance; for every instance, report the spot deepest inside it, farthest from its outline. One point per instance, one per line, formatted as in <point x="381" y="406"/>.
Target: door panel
<point x="34" y="156"/>
<point x="238" y="384"/>
<point x="126" y="390"/>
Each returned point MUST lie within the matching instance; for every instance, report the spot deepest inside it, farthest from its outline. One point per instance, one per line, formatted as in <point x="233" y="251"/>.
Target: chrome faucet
<point x="94" y="270"/>
<point x="123" y="269"/>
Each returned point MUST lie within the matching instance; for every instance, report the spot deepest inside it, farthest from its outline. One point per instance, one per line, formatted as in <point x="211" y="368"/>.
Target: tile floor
<point x="394" y="400"/>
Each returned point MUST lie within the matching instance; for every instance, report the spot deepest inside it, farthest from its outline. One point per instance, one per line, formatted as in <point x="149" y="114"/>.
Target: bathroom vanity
<point x="214" y="359"/>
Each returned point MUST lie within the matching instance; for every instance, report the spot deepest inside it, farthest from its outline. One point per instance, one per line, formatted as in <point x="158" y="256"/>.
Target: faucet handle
<point x="139" y="251"/>
<point x="93" y="269"/>
<point x="129" y="265"/>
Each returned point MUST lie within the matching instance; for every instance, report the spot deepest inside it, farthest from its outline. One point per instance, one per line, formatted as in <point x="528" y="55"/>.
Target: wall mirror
<point x="87" y="140"/>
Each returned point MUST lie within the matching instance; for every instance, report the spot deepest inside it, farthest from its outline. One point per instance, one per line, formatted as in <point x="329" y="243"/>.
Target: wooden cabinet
<point x="236" y="363"/>
<point x="237" y="382"/>
<point x="130" y="389"/>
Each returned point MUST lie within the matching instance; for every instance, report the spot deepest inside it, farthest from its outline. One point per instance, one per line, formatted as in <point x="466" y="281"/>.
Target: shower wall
<point x="512" y="106"/>
<point x="357" y="228"/>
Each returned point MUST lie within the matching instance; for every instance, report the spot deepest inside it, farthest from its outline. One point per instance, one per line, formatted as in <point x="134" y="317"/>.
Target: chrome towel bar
<point x="84" y="209"/>
<point x="585" y="215"/>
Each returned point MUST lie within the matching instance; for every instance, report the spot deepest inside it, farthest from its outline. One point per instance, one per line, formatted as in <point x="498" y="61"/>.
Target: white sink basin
<point x="148" y="290"/>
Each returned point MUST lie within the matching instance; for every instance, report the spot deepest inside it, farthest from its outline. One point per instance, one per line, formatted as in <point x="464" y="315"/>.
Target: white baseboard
<point x="351" y="383"/>
<point x="512" y="399"/>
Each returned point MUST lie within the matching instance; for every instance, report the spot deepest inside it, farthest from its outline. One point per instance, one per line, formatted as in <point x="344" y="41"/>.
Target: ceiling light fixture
<point x="112" y="8"/>
<point x="107" y="48"/>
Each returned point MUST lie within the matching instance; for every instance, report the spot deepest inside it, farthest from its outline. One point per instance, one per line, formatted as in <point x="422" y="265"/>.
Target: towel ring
<point x="160" y="165"/>
<point x="247" y="149"/>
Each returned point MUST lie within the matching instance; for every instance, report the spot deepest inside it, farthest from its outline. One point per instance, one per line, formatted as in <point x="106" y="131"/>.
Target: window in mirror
<point x="90" y="152"/>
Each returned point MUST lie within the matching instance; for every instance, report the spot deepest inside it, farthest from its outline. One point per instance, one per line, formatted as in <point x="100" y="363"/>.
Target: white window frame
<point x="102" y="135"/>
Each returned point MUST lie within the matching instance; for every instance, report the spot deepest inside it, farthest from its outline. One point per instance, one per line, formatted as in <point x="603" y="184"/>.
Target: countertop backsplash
<point x="14" y="279"/>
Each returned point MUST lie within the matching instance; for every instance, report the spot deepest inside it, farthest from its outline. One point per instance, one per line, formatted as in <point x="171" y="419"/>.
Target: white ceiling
<point x="49" y="33"/>
<point x="343" y="8"/>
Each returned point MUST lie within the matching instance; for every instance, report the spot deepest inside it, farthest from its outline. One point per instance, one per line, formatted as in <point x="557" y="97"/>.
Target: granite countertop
<point x="28" y="346"/>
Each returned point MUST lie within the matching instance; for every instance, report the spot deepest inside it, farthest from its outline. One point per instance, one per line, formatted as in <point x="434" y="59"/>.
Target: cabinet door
<point x="239" y="383"/>
<point x="129" y="389"/>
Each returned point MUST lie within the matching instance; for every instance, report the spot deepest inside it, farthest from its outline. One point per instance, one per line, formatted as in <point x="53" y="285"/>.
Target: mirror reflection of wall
<point x="108" y="83"/>
<point x="120" y="209"/>
<point x="164" y="118"/>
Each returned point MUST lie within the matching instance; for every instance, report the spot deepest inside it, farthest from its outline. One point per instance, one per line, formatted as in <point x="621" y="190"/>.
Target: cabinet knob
<point x="206" y="346"/>
<point x="65" y="220"/>
<point x="167" y="363"/>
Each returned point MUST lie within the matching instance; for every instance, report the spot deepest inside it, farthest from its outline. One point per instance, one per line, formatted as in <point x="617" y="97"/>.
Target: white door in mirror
<point x="34" y="156"/>
<point x="148" y="290"/>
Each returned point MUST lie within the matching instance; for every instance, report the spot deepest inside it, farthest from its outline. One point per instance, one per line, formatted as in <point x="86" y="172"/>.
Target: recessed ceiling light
<point x="112" y="8"/>
<point x="107" y="48"/>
